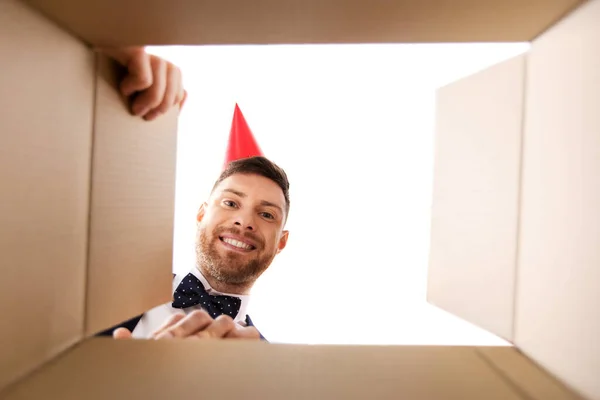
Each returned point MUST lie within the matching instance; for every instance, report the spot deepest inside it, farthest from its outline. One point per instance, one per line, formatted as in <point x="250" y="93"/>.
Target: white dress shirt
<point x="156" y="317"/>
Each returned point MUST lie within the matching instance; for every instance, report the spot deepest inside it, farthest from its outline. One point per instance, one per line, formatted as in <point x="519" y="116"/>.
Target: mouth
<point x="235" y="244"/>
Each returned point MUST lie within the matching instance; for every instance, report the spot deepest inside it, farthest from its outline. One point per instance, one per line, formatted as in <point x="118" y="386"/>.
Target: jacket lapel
<point x="250" y="323"/>
<point x="129" y="324"/>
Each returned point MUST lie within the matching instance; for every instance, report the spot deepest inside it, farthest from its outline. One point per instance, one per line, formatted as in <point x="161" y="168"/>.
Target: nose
<point x="244" y="222"/>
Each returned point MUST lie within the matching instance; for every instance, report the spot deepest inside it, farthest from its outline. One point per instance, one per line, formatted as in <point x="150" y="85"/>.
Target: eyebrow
<point x="262" y="202"/>
<point x="269" y="204"/>
<point x="236" y="192"/>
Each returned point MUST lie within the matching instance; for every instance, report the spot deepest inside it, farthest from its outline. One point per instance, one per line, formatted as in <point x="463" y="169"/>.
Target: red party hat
<point x="241" y="140"/>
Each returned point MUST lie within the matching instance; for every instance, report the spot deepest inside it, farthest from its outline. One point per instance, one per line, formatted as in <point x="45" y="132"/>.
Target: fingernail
<point x="165" y="335"/>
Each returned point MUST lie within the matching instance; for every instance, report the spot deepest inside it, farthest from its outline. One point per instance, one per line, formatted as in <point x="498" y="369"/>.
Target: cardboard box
<point x="86" y="214"/>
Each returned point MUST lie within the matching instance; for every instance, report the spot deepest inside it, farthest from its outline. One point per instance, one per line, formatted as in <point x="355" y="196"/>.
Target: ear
<point x="282" y="241"/>
<point x="201" y="212"/>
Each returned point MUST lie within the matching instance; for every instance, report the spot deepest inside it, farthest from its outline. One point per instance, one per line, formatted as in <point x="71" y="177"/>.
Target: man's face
<point x="241" y="229"/>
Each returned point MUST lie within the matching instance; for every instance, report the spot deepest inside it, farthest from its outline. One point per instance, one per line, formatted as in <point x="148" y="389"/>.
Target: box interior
<point x="88" y="189"/>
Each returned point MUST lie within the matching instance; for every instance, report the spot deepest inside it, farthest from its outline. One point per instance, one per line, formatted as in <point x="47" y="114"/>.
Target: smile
<point x="236" y="244"/>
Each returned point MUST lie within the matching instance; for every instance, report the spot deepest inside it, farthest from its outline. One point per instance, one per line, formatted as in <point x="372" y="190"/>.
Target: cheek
<point x="206" y="227"/>
<point x="272" y="240"/>
<point x="211" y="221"/>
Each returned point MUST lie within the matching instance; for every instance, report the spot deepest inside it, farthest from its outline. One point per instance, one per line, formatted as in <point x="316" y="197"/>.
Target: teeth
<point x="237" y="244"/>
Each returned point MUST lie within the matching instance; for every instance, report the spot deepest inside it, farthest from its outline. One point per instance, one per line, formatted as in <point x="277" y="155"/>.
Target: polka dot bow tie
<point x="191" y="292"/>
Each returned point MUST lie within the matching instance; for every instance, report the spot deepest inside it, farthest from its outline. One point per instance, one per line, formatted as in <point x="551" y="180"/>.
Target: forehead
<point x="254" y="187"/>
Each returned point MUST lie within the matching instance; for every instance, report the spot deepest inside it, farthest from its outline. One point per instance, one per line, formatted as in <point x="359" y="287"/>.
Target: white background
<point x="353" y="126"/>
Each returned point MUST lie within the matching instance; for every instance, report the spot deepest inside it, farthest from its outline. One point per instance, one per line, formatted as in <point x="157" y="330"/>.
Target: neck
<point x="224" y="287"/>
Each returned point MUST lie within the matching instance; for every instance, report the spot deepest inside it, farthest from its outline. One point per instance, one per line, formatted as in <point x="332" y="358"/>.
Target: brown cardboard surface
<point x="533" y="382"/>
<point x="46" y="96"/>
<point x="51" y="106"/>
<point x="308" y="21"/>
<point x="558" y="291"/>
<point x="233" y="370"/>
<point x="132" y="209"/>
<point x="476" y="196"/>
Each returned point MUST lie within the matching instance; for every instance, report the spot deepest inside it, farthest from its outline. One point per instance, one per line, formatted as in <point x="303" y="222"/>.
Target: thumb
<point x="244" y="332"/>
<point x="140" y="75"/>
<point x="139" y="69"/>
<point x="121" y="333"/>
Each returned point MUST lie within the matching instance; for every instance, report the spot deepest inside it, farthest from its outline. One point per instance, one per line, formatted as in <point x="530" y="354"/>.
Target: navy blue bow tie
<point x="191" y="292"/>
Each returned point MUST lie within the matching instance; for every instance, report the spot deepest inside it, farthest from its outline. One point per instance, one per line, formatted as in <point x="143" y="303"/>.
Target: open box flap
<point x="132" y="208"/>
<point x="556" y="274"/>
<point x="476" y="196"/>
<point x="65" y="132"/>
<point x="157" y="22"/>
<point x="558" y="282"/>
<point x="46" y="98"/>
<point x="241" y="369"/>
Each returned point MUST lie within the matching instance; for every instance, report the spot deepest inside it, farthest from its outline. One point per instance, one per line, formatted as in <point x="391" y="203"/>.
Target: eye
<point x="229" y="203"/>
<point x="267" y="215"/>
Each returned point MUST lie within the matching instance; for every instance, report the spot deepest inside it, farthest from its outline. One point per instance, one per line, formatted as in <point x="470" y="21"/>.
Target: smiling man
<point x="240" y="231"/>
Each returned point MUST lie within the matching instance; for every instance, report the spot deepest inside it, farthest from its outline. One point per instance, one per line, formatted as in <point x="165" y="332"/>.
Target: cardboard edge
<point x="86" y="301"/>
<point x="53" y="20"/>
<point x="503" y="376"/>
<point x="558" y="19"/>
<point x="529" y="379"/>
<point x="6" y="390"/>
<point x="519" y="198"/>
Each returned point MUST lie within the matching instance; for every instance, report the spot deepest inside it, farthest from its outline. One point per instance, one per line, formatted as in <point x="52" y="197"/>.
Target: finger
<point x="190" y="325"/>
<point x="182" y="102"/>
<point x="246" y="332"/>
<point x="221" y="326"/>
<point x="180" y="92"/>
<point x="122" y="55"/>
<point x="181" y="96"/>
<point x="139" y="75"/>
<point x="153" y="96"/>
<point x="121" y="333"/>
<point x="173" y="83"/>
<point x="173" y="319"/>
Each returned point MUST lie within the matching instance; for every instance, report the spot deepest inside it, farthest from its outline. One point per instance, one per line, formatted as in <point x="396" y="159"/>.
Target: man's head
<point x="241" y="226"/>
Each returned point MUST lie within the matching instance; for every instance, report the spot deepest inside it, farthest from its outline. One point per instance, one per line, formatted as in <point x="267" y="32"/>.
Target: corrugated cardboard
<point x="134" y="22"/>
<point x="47" y="101"/>
<point x="87" y="206"/>
<point x="558" y="282"/>
<point x="555" y="292"/>
<point x="475" y="210"/>
<point x="233" y="370"/>
<point x="132" y="209"/>
<point x="87" y="195"/>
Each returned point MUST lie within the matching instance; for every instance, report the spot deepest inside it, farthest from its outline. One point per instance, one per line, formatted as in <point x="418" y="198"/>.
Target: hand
<point x="197" y="325"/>
<point x="157" y="82"/>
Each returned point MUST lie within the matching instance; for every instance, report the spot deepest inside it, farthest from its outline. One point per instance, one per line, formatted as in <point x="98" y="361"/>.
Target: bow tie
<point x="191" y="292"/>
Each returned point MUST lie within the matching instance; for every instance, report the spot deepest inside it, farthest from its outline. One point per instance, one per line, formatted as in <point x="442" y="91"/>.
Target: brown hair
<point x="259" y="166"/>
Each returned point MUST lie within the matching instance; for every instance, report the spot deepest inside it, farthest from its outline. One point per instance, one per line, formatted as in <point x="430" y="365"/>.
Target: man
<point x="240" y="230"/>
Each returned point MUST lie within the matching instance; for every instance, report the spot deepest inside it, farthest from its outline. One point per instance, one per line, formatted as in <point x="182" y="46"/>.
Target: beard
<point x="231" y="268"/>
